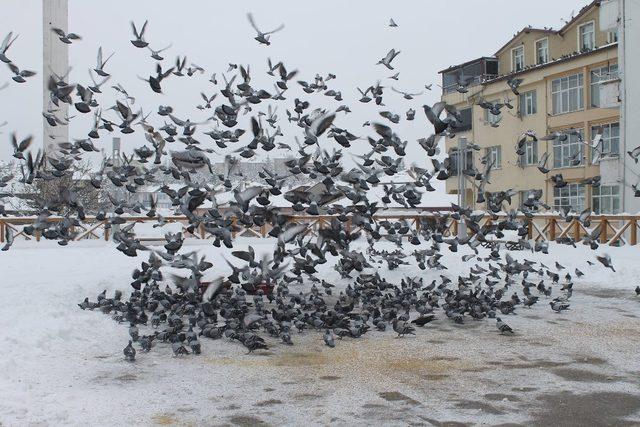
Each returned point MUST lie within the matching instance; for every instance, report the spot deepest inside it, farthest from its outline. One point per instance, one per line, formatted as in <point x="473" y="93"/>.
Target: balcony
<point x="469" y="74"/>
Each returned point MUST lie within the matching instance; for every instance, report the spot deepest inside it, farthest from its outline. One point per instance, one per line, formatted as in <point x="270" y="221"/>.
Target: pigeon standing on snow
<point x="403" y="328"/>
<point x="558" y="306"/>
<point x="328" y="338"/>
<point x="503" y="327"/>
<point x="129" y="352"/>
<point x="133" y="332"/>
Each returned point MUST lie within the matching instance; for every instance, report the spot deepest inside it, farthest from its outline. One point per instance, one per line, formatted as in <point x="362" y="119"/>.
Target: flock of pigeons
<point x="258" y="299"/>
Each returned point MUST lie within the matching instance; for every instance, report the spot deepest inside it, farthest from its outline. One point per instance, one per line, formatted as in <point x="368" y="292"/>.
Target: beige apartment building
<point x="566" y="75"/>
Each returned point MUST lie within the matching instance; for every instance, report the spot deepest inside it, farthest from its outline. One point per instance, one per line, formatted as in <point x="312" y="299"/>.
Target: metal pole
<point x="462" y="145"/>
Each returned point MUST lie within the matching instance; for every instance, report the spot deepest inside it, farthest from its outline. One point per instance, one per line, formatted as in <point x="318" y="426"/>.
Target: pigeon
<point x="67" y="38"/>
<point x="20" y="76"/>
<point x="100" y="63"/>
<point x="328" y="338"/>
<point x="558" y="306"/>
<point x="503" y="327"/>
<point x="386" y="61"/>
<point x="129" y="352"/>
<point x="514" y="84"/>
<point x="634" y="154"/>
<point x="605" y="260"/>
<point x="155" y="54"/>
<point x="139" y="40"/>
<point x="6" y="44"/>
<point x="263" y="37"/>
<point x="403" y="328"/>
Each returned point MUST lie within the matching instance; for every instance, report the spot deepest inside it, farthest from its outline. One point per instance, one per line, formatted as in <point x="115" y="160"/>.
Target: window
<point x="587" y="36"/>
<point x="494" y="156"/>
<point x="517" y="58"/>
<point x="491" y="118"/>
<point x="454" y="160"/>
<point x="528" y="103"/>
<point x="567" y="93"/>
<point x="530" y="156"/>
<point x="568" y="153"/>
<point x="612" y="36"/>
<point x="606" y="199"/>
<point x="571" y="195"/>
<point x="465" y="123"/>
<point x="598" y="76"/>
<point x="542" y="51"/>
<point x="526" y="194"/>
<point x="609" y="142"/>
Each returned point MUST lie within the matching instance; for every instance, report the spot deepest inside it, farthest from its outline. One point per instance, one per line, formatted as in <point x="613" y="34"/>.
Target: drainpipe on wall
<point x="623" y="98"/>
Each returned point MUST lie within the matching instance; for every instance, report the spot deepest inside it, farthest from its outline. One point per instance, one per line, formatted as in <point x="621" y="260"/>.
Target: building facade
<point x="623" y="16"/>
<point x="563" y="74"/>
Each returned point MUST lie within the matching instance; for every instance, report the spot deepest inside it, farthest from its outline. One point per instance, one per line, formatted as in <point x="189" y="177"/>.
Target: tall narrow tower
<point x="55" y="59"/>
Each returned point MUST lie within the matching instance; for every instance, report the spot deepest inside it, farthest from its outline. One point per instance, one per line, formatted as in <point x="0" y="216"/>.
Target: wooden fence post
<point x="603" y="230"/>
<point x="633" y="237"/>
<point x="552" y="229"/>
<point x="576" y="230"/>
<point x="233" y="225"/>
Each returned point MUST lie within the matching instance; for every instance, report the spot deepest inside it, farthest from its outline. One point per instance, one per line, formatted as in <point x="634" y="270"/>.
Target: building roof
<point x="581" y="13"/>
<point x="453" y="67"/>
<point x="561" y="31"/>
<point x="560" y="60"/>
<point x="525" y="30"/>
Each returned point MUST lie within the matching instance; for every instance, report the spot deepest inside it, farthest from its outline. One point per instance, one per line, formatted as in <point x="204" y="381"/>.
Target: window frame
<point x="567" y="151"/>
<point x="545" y="39"/>
<point x="613" y="36"/>
<point x="497" y="156"/>
<point x="606" y="150"/>
<point x="465" y="127"/>
<point x="530" y="156"/>
<point x="513" y="58"/>
<point x="492" y="118"/>
<point x="579" y="193"/>
<point x="604" y="69"/>
<point x="598" y="199"/>
<point x="593" y="35"/>
<point x="522" y="99"/>
<point x="453" y="164"/>
<point x="579" y="90"/>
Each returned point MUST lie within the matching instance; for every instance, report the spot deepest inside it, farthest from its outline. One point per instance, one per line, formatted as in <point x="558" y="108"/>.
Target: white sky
<point x="343" y="37"/>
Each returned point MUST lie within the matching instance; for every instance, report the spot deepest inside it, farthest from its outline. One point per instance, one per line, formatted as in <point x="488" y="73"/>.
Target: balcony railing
<point x="475" y="81"/>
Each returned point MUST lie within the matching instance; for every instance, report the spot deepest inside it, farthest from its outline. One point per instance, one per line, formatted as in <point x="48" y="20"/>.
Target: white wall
<point x="629" y="47"/>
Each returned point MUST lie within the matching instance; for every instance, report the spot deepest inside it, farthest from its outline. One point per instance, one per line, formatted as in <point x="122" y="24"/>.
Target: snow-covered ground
<point x="60" y="365"/>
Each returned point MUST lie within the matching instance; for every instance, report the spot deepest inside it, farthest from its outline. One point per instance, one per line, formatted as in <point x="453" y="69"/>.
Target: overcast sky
<point x="346" y="38"/>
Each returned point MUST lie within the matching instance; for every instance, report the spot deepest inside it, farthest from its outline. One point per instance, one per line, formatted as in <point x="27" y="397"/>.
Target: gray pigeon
<point x="129" y="352"/>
